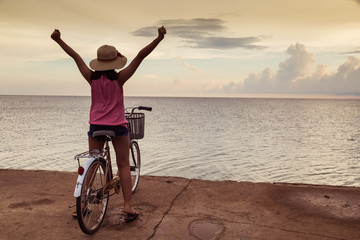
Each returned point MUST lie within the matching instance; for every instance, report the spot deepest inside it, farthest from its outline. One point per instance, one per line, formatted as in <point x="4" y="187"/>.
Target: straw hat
<point x="108" y="58"/>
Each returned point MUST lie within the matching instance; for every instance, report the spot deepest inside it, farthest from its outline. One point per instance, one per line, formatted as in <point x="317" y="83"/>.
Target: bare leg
<point x="121" y="145"/>
<point x="95" y="144"/>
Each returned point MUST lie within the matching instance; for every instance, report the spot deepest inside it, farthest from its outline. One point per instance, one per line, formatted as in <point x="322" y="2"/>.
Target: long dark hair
<point x="109" y="74"/>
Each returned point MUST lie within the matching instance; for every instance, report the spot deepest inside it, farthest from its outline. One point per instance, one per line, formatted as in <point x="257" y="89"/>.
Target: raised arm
<point x="126" y="73"/>
<point x="83" y="68"/>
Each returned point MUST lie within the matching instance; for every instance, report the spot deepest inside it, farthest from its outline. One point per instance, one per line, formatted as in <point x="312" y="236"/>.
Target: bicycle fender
<point x="80" y="179"/>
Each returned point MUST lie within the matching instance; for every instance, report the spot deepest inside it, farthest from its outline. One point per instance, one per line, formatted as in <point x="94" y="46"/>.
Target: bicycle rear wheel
<point x="135" y="163"/>
<point x="92" y="204"/>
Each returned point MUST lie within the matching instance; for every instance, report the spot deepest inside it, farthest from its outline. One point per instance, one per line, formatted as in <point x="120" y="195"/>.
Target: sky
<point x="229" y="48"/>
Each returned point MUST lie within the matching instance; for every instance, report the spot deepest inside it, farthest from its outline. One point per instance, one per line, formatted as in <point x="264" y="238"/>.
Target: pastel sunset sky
<point x="228" y="48"/>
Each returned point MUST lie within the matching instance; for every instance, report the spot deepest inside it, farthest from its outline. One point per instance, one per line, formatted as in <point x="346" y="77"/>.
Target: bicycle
<point x="96" y="183"/>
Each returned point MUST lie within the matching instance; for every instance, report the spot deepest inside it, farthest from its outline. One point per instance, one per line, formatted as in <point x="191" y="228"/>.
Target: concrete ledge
<point x="34" y="205"/>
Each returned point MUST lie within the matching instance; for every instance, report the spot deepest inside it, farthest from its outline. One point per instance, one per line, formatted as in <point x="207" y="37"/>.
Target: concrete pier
<point x="35" y="205"/>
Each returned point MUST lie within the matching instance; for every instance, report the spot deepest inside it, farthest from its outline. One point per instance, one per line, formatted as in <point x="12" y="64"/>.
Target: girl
<point x="107" y="103"/>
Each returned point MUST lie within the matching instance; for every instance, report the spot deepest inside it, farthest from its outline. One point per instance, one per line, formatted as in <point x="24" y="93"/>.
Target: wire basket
<point x="136" y="125"/>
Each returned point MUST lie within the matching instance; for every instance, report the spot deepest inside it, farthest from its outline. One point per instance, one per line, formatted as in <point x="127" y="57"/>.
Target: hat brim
<point x="100" y="65"/>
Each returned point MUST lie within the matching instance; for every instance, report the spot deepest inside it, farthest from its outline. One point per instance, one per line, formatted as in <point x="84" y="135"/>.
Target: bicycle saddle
<point x="104" y="133"/>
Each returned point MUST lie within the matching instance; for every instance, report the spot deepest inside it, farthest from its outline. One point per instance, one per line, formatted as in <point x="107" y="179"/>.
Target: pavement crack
<point x="167" y="211"/>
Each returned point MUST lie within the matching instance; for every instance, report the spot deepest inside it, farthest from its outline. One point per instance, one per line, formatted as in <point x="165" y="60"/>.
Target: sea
<point x="311" y="141"/>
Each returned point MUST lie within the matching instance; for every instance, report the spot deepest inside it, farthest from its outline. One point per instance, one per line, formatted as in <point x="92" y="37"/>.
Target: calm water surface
<point x="313" y="141"/>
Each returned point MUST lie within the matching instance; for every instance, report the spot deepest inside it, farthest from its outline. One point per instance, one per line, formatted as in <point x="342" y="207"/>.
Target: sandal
<point x="129" y="217"/>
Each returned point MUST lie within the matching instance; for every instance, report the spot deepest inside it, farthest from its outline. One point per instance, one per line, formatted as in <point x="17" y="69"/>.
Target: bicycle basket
<point x="136" y="125"/>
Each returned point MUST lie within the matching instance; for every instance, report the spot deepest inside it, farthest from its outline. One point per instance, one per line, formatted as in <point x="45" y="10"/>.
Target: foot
<point x="130" y="216"/>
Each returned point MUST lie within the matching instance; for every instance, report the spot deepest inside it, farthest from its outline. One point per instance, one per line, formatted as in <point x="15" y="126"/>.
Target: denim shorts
<point x="120" y="131"/>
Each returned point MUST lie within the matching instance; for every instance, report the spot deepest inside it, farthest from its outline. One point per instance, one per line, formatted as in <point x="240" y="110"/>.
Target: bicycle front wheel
<point x="92" y="204"/>
<point x="135" y="164"/>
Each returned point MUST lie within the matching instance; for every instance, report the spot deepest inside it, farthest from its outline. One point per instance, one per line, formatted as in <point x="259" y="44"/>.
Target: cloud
<point x="298" y="65"/>
<point x="186" y="65"/>
<point x="202" y="33"/>
<point x="189" y="29"/>
<point x="193" y="28"/>
<point x="265" y="81"/>
<point x="226" y="43"/>
<point x="352" y="52"/>
<point x="299" y="74"/>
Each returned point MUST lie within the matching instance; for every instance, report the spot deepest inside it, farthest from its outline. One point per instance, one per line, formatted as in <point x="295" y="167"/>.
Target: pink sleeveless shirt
<point x="107" y="103"/>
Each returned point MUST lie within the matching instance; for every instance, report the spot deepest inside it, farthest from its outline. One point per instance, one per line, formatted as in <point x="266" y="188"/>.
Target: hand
<point x="56" y="35"/>
<point x="162" y="32"/>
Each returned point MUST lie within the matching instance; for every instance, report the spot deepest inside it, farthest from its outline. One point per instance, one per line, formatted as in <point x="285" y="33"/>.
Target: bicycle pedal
<point x="117" y="189"/>
<point x="113" y="184"/>
<point x="118" y="186"/>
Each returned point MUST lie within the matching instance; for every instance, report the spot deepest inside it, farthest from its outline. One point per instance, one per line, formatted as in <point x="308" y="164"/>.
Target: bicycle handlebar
<point x="130" y="110"/>
<point x="145" y="108"/>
